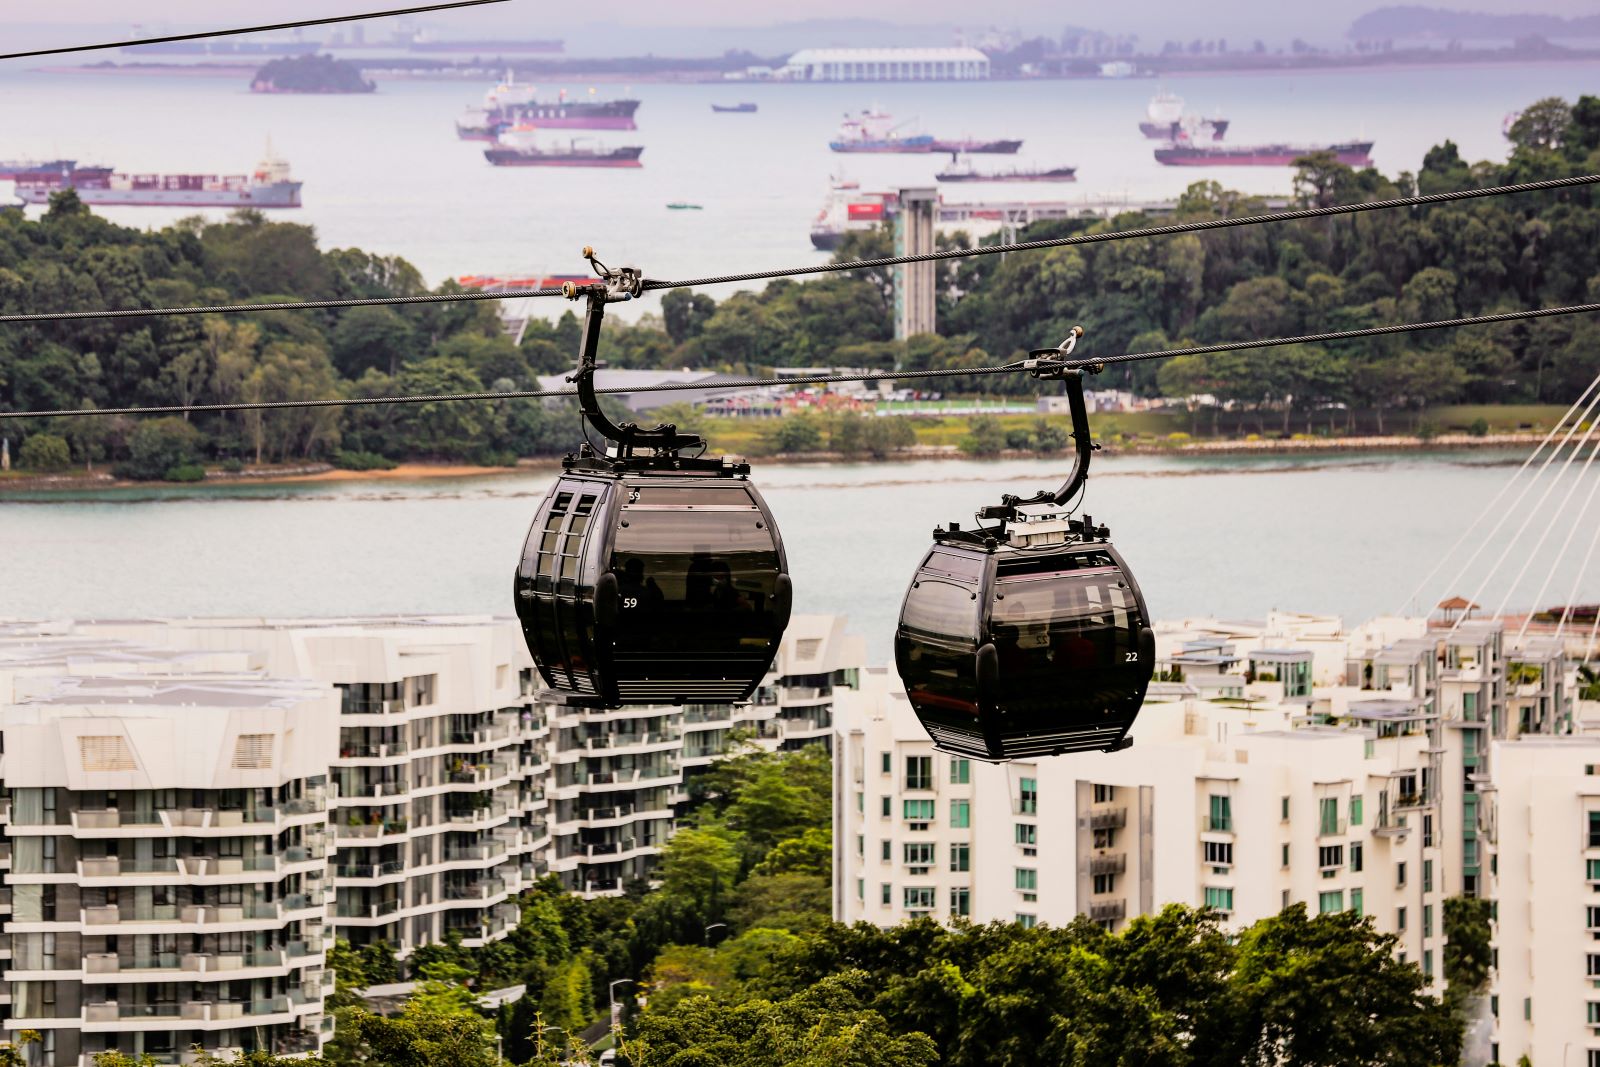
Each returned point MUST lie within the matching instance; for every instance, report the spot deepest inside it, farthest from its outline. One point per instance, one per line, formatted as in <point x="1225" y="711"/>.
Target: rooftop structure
<point x="886" y="64"/>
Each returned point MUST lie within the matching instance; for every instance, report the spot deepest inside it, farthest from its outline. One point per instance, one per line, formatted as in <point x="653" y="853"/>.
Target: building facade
<point x="885" y="64"/>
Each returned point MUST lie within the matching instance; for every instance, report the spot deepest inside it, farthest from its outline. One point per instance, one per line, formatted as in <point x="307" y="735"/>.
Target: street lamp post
<point x="611" y="996"/>
<point x="705" y="938"/>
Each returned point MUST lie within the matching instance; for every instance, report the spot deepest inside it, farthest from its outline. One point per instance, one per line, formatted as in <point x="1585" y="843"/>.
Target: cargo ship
<point x="966" y="173"/>
<point x="1181" y="154"/>
<point x="516" y="148"/>
<point x="270" y="186"/>
<point x="15" y="170"/>
<point x="1001" y="148"/>
<point x="848" y="208"/>
<point x="1167" y="121"/>
<point x="874" y="131"/>
<point x="510" y="104"/>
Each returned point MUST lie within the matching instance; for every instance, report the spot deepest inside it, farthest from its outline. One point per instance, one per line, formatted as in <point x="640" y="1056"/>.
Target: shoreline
<point x="319" y="473"/>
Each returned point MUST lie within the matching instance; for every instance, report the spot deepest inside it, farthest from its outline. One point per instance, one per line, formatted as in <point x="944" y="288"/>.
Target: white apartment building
<point x="168" y="845"/>
<point x="1215" y="804"/>
<point x="1542" y="834"/>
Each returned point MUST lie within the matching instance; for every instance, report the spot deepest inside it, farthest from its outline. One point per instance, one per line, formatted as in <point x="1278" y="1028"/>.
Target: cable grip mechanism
<point x="615" y="284"/>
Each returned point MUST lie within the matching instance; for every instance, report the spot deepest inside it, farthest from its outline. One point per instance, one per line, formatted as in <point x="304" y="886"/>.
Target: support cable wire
<point x="1099" y="237"/>
<point x="248" y="29"/>
<point x="1020" y="366"/>
<point x="1577" y="524"/>
<point x="1516" y="539"/>
<point x="1411" y="601"/>
<point x="1484" y="541"/>
<point x="1555" y="561"/>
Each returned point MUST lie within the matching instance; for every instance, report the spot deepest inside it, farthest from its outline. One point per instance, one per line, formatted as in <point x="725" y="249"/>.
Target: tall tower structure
<point x="913" y="283"/>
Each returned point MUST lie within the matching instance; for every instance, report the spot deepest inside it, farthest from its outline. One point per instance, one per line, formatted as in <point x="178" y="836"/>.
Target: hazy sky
<point x="1240" y="20"/>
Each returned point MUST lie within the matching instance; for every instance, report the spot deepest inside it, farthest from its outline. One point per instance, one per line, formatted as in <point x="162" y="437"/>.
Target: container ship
<point x="1166" y="121"/>
<point x="966" y="173"/>
<point x="510" y="104"/>
<point x="270" y="186"/>
<point x="16" y="170"/>
<point x="848" y="208"/>
<point x="1001" y="148"/>
<point x="1350" y="153"/>
<point x="517" y="149"/>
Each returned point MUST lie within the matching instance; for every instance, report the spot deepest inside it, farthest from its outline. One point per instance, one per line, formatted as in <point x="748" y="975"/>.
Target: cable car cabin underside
<point x="653" y="586"/>
<point x="1012" y="651"/>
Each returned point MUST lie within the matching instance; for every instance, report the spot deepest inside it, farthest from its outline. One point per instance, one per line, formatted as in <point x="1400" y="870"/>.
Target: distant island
<point x="310" y="74"/>
<point x="1389" y="23"/>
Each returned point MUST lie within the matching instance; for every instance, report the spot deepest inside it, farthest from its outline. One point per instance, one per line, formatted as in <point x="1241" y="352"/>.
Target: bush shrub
<point x="364" y="461"/>
<point x="232" y="465"/>
<point x="44" y="452"/>
<point x="184" y="472"/>
<point x="159" y="446"/>
<point x="1479" y="428"/>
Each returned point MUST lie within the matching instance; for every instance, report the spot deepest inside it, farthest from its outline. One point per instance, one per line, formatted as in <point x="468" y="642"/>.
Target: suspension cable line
<point x="1528" y="516"/>
<point x="248" y="29"/>
<point x="1031" y="365"/>
<point x="649" y="285"/>
<point x="1577" y="524"/>
<point x="1555" y="560"/>
<point x="1411" y="601"/>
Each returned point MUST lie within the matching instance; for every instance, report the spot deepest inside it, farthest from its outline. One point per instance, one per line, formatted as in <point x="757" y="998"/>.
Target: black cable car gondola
<point x="649" y="577"/>
<point x="1029" y="637"/>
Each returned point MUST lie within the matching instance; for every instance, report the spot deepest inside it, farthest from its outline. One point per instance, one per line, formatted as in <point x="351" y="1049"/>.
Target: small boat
<point x="679" y="205"/>
<point x="735" y="109"/>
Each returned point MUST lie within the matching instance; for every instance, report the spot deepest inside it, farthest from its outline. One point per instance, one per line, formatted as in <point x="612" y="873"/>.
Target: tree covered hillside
<point x="1328" y="274"/>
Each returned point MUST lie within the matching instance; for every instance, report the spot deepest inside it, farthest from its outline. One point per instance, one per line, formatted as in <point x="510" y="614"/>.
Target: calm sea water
<point x="1229" y="537"/>
<point x="385" y="173"/>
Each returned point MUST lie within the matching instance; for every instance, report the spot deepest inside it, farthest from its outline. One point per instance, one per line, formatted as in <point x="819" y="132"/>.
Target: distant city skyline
<point x="724" y="20"/>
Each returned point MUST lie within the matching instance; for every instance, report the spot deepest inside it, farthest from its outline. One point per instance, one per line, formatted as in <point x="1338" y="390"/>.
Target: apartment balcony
<point x="379" y="830"/>
<point x="816" y="727"/>
<point x="388" y="750"/>
<point x="370" y="870"/>
<point x="718" y="714"/>
<point x="617" y="815"/>
<point x="383" y="909"/>
<point x="1112" y="819"/>
<point x="1332" y="828"/>
<point x="356" y="706"/>
<point x="489" y="850"/>
<point x="1115" y="863"/>
<point x="373" y="790"/>
<point x="111" y="1016"/>
<point x="224" y="965"/>
<point x="1107" y="910"/>
<point x="620" y="744"/>
<point x="483" y="889"/>
<point x="791" y="695"/>
<point x="479" y="818"/>
<point x="626" y="779"/>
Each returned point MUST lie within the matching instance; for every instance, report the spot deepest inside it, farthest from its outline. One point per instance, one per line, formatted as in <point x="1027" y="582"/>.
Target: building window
<point x="960" y="773"/>
<point x="918" y="855"/>
<point x="1027" y="922"/>
<point x="861" y="846"/>
<point x="887" y="806"/>
<point x="1427" y="962"/>
<point x="1105" y="794"/>
<point x="961" y="857"/>
<point x="1105" y="883"/>
<point x="885" y="847"/>
<point x="1593" y="1008"/>
<point x="1221" y="813"/>
<point x="918" y="810"/>
<point x="1593" y="917"/>
<point x="918" y="897"/>
<point x="1594" y="870"/>
<point x="1356" y="902"/>
<point x="887" y="890"/>
<point x="1357" y="854"/>
<point x="1328" y="816"/>
<point x="1027" y="833"/>
<point x="861" y="889"/>
<point x="1329" y="856"/>
<point x="1219" y="853"/>
<point x="1427" y="876"/>
<point x="1355" y="810"/>
<point x="1028" y="797"/>
<point x="1400" y="923"/>
<point x="861" y="802"/>
<point x="1284" y="861"/>
<point x="1594" y="829"/>
<point x="1284" y="809"/>
<point x="1106" y="838"/>
<point x="1399" y="875"/>
<point x="1330" y="901"/>
<point x="1027" y="879"/>
<point x="1427" y="920"/>
<point x="960" y="814"/>
<point x="919" y="772"/>
<point x="1427" y="831"/>
<point x="1219" y="898"/>
<point x="887" y="763"/>
<point x="961" y="902"/>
